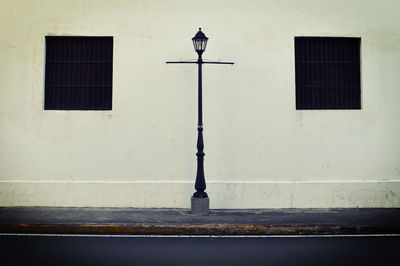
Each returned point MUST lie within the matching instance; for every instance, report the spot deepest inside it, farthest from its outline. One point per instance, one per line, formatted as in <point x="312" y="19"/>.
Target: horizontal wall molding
<point x="223" y="194"/>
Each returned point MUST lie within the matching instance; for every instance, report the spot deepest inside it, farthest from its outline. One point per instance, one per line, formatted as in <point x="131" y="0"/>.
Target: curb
<point x="222" y="229"/>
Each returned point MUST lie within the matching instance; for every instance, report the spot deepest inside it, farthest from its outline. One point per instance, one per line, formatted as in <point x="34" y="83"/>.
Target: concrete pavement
<point x="74" y="220"/>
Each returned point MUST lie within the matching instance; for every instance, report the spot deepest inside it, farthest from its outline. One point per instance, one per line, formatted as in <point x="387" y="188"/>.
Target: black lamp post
<point x="200" y="43"/>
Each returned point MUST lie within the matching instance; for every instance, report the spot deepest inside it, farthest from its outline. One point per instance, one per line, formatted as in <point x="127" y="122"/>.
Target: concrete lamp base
<point x="200" y="206"/>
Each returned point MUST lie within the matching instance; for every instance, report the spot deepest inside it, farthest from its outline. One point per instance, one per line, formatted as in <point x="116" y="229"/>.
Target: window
<point x="78" y="73"/>
<point x="327" y="73"/>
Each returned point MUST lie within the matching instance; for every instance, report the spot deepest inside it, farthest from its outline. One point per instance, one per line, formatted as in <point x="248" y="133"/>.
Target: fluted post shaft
<point x="200" y="184"/>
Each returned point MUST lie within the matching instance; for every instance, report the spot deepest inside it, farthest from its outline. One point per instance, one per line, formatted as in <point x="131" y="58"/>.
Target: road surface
<point x="122" y="250"/>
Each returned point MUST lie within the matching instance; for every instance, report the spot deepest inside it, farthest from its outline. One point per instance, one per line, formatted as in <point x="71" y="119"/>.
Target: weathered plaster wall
<point x="260" y="151"/>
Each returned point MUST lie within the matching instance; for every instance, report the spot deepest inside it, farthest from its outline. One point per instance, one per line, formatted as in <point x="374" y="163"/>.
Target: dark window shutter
<point x="78" y="73"/>
<point x="327" y="73"/>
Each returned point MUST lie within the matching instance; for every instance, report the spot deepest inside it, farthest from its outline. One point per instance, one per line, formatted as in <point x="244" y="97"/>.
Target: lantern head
<point x="200" y="42"/>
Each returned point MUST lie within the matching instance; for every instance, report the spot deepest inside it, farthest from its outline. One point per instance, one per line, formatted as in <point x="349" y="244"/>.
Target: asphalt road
<point x="92" y="250"/>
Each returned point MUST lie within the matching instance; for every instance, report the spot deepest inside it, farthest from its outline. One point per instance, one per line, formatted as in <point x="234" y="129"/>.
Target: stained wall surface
<point x="260" y="151"/>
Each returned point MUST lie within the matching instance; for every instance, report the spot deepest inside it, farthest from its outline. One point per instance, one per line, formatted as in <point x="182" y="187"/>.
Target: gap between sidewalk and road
<point x="136" y="221"/>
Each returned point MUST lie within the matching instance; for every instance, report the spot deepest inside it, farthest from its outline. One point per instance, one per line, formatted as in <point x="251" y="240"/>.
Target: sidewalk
<point x="57" y="220"/>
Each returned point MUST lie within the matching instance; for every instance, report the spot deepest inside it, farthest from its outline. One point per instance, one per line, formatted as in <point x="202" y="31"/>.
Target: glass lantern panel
<point x="204" y="43"/>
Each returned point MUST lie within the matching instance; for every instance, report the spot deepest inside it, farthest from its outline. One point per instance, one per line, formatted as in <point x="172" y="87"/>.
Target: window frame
<point x="78" y="73"/>
<point x="316" y="88"/>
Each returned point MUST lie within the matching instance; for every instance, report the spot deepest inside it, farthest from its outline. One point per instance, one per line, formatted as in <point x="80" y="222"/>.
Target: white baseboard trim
<point x="223" y="194"/>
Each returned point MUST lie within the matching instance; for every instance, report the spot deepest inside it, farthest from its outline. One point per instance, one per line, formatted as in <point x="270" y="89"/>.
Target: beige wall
<point x="260" y="151"/>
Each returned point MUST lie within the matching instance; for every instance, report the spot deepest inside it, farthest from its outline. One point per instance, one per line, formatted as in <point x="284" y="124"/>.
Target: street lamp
<point x="200" y="42"/>
<point x="200" y="201"/>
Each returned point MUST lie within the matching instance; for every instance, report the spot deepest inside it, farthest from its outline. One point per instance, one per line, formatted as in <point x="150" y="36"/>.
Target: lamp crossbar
<point x="202" y="62"/>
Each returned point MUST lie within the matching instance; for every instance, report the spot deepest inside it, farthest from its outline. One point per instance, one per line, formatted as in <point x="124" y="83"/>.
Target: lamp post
<point x="200" y="43"/>
<point x="200" y="200"/>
